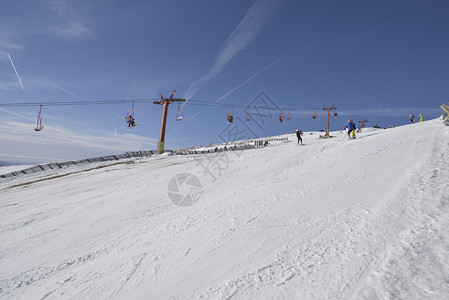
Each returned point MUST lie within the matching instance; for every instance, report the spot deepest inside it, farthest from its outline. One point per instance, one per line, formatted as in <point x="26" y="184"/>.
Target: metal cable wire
<point x="121" y="101"/>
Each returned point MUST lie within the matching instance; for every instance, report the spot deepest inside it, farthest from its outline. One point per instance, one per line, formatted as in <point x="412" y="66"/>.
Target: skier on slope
<point x="299" y="136"/>
<point x="420" y="118"/>
<point x="351" y="129"/>
<point x="412" y="118"/>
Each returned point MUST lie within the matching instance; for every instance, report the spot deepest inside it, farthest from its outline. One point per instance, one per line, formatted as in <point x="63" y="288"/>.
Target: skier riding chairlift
<point x="130" y="117"/>
<point x="130" y="120"/>
<point x="229" y="116"/>
<point x="335" y="116"/>
<point x="281" y="117"/>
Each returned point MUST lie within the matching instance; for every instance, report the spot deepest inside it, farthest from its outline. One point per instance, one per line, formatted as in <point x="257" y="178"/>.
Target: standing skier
<point x="299" y="136"/>
<point x="420" y="118"/>
<point x="412" y="118"/>
<point x="351" y="129"/>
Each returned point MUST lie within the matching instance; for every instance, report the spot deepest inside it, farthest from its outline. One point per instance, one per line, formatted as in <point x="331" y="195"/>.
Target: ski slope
<point x="13" y="168"/>
<point x="334" y="219"/>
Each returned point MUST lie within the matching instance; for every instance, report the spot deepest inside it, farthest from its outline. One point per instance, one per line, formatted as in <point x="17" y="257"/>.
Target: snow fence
<point x="240" y="145"/>
<point x="445" y="114"/>
<point x="61" y="165"/>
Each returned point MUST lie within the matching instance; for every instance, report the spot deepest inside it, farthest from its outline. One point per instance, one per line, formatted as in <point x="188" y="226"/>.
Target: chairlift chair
<point x="335" y="116"/>
<point x="289" y="116"/>
<point x="248" y="116"/>
<point x="179" y="115"/>
<point x="281" y="117"/>
<point x="314" y="115"/>
<point x="230" y="116"/>
<point x="130" y="117"/>
<point x="39" y="125"/>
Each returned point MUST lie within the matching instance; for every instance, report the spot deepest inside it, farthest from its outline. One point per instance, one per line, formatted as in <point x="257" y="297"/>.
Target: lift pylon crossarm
<point x="169" y="100"/>
<point x="363" y="122"/>
<point x="166" y="100"/>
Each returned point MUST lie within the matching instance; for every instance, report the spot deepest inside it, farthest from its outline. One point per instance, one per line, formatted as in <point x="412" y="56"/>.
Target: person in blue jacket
<point x="351" y="129"/>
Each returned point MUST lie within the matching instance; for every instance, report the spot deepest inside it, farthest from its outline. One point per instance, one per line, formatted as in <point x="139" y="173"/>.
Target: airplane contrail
<point x="16" y="114"/>
<point x="247" y="30"/>
<point x="15" y="70"/>
<point x="249" y="79"/>
<point x="242" y="84"/>
<point x="64" y="90"/>
<point x="192" y="117"/>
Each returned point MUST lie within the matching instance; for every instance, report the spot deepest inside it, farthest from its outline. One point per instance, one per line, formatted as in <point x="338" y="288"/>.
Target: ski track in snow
<point x="338" y="219"/>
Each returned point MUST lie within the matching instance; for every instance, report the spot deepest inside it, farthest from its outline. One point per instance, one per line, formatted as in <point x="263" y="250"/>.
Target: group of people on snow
<point x="352" y="128"/>
<point x="412" y="118"/>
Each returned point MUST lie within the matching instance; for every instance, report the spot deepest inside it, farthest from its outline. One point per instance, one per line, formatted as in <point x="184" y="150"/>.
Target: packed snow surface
<point x="334" y="219"/>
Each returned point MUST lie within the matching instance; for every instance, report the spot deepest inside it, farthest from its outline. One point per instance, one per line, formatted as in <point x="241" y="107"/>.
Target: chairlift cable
<point x="121" y="101"/>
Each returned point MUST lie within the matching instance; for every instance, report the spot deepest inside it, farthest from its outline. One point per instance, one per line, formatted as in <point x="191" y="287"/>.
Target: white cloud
<point x="8" y="85"/>
<point x="6" y="45"/>
<point x="20" y="141"/>
<point x="242" y="36"/>
<point x="70" y="23"/>
<point x="71" y="29"/>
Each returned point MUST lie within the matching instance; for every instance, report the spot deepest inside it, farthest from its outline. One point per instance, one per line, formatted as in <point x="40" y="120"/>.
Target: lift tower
<point x="328" y="117"/>
<point x="165" y="102"/>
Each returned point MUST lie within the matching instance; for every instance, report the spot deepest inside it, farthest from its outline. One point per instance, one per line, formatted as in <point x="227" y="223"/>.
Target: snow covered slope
<point x="13" y="168"/>
<point x="335" y="219"/>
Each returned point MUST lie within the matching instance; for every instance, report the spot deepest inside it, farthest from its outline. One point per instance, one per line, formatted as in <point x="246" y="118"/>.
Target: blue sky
<point x="379" y="60"/>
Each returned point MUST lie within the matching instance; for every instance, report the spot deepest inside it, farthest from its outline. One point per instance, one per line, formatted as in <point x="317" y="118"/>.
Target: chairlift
<point x="230" y="116"/>
<point x="248" y="116"/>
<point x="39" y="125"/>
<point x="289" y="116"/>
<point x="130" y="117"/>
<point x="179" y="115"/>
<point x="335" y="116"/>
<point x="314" y="115"/>
<point x="281" y="117"/>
